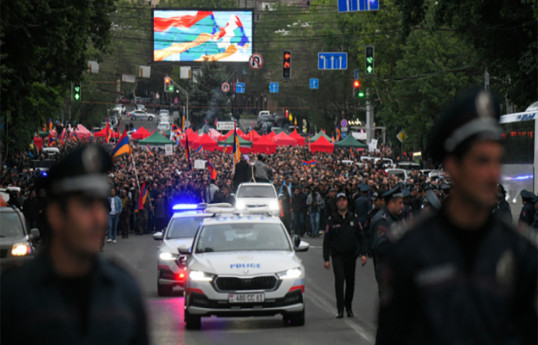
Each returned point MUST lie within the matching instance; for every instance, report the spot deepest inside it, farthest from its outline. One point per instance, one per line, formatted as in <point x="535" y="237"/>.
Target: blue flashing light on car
<point x="186" y="207"/>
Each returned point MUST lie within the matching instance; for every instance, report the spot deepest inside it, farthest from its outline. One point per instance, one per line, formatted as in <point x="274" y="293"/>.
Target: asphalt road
<point x="138" y="254"/>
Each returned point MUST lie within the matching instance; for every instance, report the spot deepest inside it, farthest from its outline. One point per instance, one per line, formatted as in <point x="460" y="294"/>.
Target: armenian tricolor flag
<point x="142" y="198"/>
<point x="187" y="151"/>
<point x="148" y="149"/>
<point x="122" y="147"/>
<point x="212" y="170"/>
<point x="310" y="162"/>
<point x="236" y="147"/>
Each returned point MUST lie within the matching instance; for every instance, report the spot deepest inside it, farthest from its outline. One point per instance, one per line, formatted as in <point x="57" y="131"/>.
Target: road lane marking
<point x="322" y="301"/>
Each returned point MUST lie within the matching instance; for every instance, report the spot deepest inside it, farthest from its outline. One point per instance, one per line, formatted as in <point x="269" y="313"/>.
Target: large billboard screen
<point x="197" y="36"/>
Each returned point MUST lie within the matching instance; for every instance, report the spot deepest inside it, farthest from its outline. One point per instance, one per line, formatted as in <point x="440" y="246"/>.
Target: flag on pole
<point x="50" y="125"/>
<point x="183" y="123"/>
<point x="122" y="147"/>
<point x="107" y="130"/>
<point x="142" y="198"/>
<point x="310" y="162"/>
<point x="338" y="134"/>
<point x="212" y="170"/>
<point x="236" y="148"/>
<point x="148" y="149"/>
<point x="198" y="149"/>
<point x="188" y="152"/>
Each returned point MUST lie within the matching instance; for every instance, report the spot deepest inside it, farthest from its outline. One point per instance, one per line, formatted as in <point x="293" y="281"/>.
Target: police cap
<point x="364" y="188"/>
<point x="526" y="195"/>
<point x="341" y="195"/>
<point x="393" y="193"/>
<point x="82" y="171"/>
<point x="432" y="199"/>
<point x="474" y="114"/>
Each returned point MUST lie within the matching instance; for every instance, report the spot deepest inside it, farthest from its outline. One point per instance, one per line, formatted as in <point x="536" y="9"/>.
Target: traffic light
<point x="77" y="94"/>
<point x="168" y="87"/>
<point x="369" y="59"/>
<point x="357" y="89"/>
<point x="286" y="65"/>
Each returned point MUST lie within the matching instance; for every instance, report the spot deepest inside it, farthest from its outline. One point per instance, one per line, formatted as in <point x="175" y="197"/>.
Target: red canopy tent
<point x="206" y="142"/>
<point x="193" y="138"/>
<point x="225" y="136"/>
<point x="102" y="133"/>
<point x="264" y="145"/>
<point x="82" y="132"/>
<point x="322" y="145"/>
<point x="300" y="140"/>
<point x="253" y="136"/>
<point x="271" y="135"/>
<point x="282" y="139"/>
<point x="140" y="133"/>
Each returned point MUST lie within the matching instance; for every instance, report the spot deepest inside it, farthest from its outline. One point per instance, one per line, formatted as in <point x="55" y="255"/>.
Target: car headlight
<point x="239" y="204"/>
<point x="20" y="249"/>
<point x="273" y="205"/>
<point x="166" y="256"/>
<point x="292" y="273"/>
<point x="199" y="276"/>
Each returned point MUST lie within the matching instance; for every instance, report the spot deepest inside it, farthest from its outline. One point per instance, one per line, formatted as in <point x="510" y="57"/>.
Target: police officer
<point x="389" y="214"/>
<point x="502" y="207"/>
<point x="363" y="204"/>
<point x="343" y="242"/>
<point x="460" y="275"/>
<point x="526" y="217"/>
<point x="69" y="294"/>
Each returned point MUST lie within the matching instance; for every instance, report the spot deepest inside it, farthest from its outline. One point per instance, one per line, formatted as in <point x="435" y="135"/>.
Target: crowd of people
<point x="307" y="185"/>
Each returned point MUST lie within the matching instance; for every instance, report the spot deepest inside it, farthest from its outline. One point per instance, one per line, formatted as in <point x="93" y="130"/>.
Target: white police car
<point x="244" y="265"/>
<point x="179" y="234"/>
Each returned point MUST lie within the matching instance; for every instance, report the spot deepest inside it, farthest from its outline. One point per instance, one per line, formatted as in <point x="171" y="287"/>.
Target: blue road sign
<point x="357" y="5"/>
<point x="332" y="61"/>
<point x="239" y="87"/>
<point x="314" y="83"/>
<point x="343" y="123"/>
<point x="273" y="87"/>
<point x="356" y="74"/>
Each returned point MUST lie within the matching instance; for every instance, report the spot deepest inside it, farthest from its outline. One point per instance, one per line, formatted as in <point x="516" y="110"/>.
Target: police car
<point x="244" y="265"/>
<point x="256" y="197"/>
<point x="179" y="234"/>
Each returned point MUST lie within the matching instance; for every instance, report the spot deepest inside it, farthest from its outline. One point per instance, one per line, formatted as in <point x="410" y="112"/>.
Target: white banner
<point x="93" y="66"/>
<point x="168" y="150"/>
<point x="184" y="72"/>
<point x="128" y="78"/>
<point x="199" y="164"/>
<point x="225" y="125"/>
<point x="144" y="72"/>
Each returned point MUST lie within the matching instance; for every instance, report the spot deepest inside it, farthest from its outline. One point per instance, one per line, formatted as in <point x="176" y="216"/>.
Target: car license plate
<point x="246" y="298"/>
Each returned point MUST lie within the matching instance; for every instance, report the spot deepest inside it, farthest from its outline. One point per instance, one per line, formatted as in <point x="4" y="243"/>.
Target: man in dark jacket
<point x="526" y="217"/>
<point x="69" y="294"/>
<point x="461" y="275"/>
<point x="363" y="204"/>
<point x="243" y="173"/>
<point x="343" y="243"/>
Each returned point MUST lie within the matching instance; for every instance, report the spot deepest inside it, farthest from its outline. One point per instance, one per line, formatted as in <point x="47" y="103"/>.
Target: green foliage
<point x="44" y="49"/>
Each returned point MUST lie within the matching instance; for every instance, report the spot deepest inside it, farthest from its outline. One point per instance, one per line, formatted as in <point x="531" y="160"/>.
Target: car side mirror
<point x="298" y="245"/>
<point x="184" y="250"/>
<point x="34" y="234"/>
<point x="158" y="236"/>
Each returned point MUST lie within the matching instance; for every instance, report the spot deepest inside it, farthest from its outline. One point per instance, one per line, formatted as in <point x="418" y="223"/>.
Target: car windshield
<point x="184" y="227"/>
<point x="11" y="225"/>
<point x="256" y="192"/>
<point x="242" y="237"/>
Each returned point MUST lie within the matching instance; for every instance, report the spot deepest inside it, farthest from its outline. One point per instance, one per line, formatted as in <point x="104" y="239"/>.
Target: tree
<point x="503" y="33"/>
<point x="43" y="50"/>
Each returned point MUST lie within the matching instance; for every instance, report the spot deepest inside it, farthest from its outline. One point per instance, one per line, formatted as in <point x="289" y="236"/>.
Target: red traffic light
<point x="356" y="83"/>
<point x="167" y="80"/>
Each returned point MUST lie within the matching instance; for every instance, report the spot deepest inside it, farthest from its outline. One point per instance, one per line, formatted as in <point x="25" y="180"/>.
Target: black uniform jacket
<point x="40" y="307"/>
<point x="344" y="236"/>
<point x="458" y="286"/>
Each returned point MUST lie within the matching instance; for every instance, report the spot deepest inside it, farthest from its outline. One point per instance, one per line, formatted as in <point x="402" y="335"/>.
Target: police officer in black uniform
<point x="502" y="207"/>
<point x="526" y="216"/>
<point x="363" y="204"/>
<point x="343" y="242"/>
<point x="383" y="220"/>
<point x="69" y="294"/>
<point x="460" y="275"/>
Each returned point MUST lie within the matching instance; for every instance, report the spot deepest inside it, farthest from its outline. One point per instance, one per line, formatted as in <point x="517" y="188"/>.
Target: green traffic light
<point x="170" y="88"/>
<point x="360" y="94"/>
<point x="369" y="59"/>
<point x="369" y="69"/>
<point x="76" y="96"/>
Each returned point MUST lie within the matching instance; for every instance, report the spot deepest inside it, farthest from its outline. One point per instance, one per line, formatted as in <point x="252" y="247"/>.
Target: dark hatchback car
<point x="16" y="243"/>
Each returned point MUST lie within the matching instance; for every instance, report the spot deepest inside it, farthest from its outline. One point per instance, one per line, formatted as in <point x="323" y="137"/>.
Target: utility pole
<point x="369" y="118"/>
